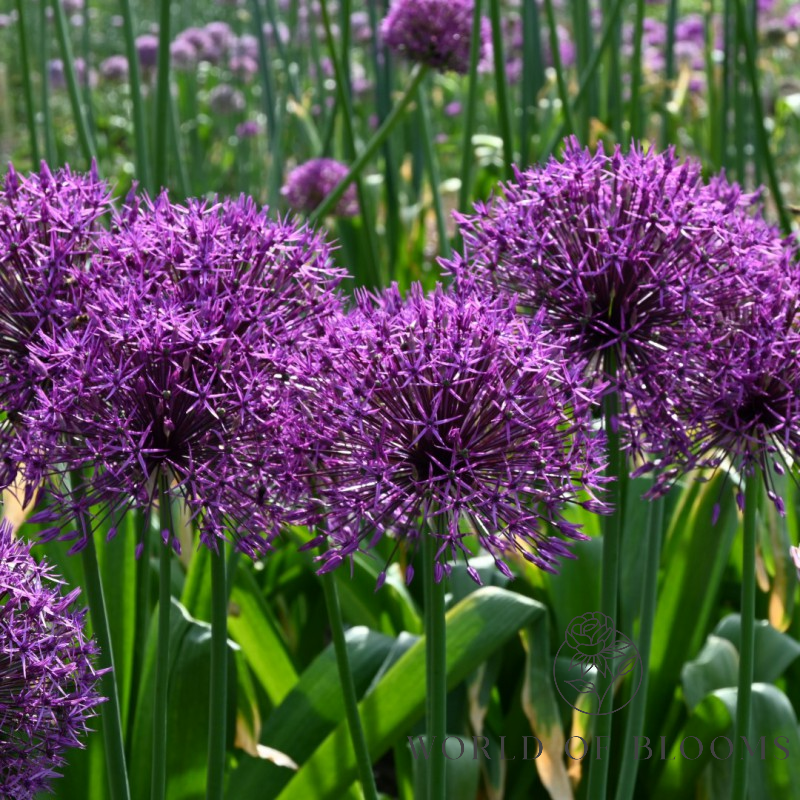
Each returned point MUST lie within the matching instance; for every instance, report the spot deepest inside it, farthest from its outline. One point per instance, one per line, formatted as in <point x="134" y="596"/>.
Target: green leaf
<point x="252" y="626"/>
<point x="463" y="773"/>
<point x="695" y="557"/>
<point x="716" y="667"/>
<point x="774" y="651"/>
<point x="311" y="710"/>
<point x="476" y="627"/>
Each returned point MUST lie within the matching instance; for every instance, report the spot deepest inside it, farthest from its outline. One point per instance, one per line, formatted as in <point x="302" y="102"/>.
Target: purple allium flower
<point x="248" y="129"/>
<point x="224" y="100"/>
<point x="433" y="32"/>
<point x="114" y="68"/>
<point x="454" y="411"/>
<point x="243" y="66"/>
<point x="147" y="50"/>
<point x="221" y="34"/>
<point x="310" y="183"/>
<point x="626" y="254"/>
<point x="48" y="225"/>
<point x="47" y="680"/>
<point x="178" y="380"/>
<point x="183" y="54"/>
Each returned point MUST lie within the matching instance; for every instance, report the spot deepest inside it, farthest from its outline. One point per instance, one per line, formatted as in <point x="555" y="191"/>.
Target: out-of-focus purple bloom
<point x="114" y="68"/>
<point x="433" y="32"/>
<point x="225" y="99"/>
<point x="55" y="73"/>
<point x="183" y="54"/>
<point x="47" y="691"/>
<point x="691" y="28"/>
<point x="221" y="34"/>
<point x="792" y="18"/>
<point x="178" y="380"/>
<point x="204" y="46"/>
<point x="245" y="45"/>
<point x="452" y="109"/>
<point x="48" y="225"/>
<point x="244" y="67"/>
<point x="626" y="254"/>
<point x="72" y="6"/>
<point x="454" y="412"/>
<point x="147" y="50"/>
<point x="310" y="183"/>
<point x="6" y="21"/>
<point x="248" y="129"/>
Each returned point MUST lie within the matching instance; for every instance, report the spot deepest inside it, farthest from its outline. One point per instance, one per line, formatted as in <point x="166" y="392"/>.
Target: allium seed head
<point x="310" y="183"/>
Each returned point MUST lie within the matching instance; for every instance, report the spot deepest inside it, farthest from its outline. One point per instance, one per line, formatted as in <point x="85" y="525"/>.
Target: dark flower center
<point x="429" y="459"/>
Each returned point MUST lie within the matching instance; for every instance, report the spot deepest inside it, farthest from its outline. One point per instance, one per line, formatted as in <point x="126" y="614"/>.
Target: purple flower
<point x="183" y="54"/>
<point x="433" y="32"/>
<point x="178" y="382"/>
<point x="794" y="552"/>
<point x="248" y="129"/>
<point x="114" y="68"/>
<point x="454" y="411"/>
<point x="626" y="254"/>
<point x="310" y="183"/>
<point x="47" y="680"/>
<point x="48" y="225"/>
<point x="147" y="50"/>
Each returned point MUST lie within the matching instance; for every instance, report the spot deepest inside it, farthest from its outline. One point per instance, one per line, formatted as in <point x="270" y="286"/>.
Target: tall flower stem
<point x="112" y="719"/>
<point x="436" y="667"/>
<point x="218" y="689"/>
<point x="162" y="99"/>
<point x="417" y="74"/>
<point x="159" y="770"/>
<point x="469" y="116"/>
<point x="137" y="102"/>
<point x="612" y="525"/>
<point x="363" y="760"/>
<point x="81" y="125"/>
<point x="432" y="164"/>
<point x="501" y="87"/>
<point x="630" y="764"/>
<point x="30" y="112"/>
<point x="747" y="647"/>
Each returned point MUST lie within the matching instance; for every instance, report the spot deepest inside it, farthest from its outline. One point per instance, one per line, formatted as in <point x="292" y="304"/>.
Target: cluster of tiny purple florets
<point x="47" y="679"/>
<point x="436" y="33"/>
<point x="453" y="412"/>
<point x="308" y="184"/>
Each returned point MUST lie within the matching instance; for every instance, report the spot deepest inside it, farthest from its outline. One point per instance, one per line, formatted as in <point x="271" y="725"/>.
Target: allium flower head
<point x="433" y="32"/>
<point x="47" y="680"/>
<point x="454" y="414"/>
<point x="735" y="397"/>
<point x="310" y="183"/>
<point x="626" y="254"/>
<point x="48" y="225"/>
<point x="178" y="380"/>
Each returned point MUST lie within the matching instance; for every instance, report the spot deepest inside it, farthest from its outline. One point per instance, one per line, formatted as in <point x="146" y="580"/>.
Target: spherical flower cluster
<point x="49" y="223"/>
<point x="433" y="32"/>
<point x="454" y="414"/>
<point x="47" y="680"/>
<point x="310" y="183"/>
<point x="177" y="382"/>
<point x="629" y="255"/>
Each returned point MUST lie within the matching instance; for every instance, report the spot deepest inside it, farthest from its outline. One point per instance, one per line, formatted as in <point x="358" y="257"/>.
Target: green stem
<point x="747" y="647"/>
<point x="636" y="74"/>
<point x="532" y="77"/>
<point x="162" y="99"/>
<point x="469" y="115"/>
<point x="264" y="67"/>
<point x="342" y="88"/>
<point x="112" y="720"/>
<point x="432" y="164"/>
<point x="26" y="83"/>
<point x="436" y="667"/>
<point x="417" y="74"/>
<point x="630" y="764"/>
<point x="563" y="94"/>
<point x="158" y="784"/>
<point x="218" y="690"/>
<point x="62" y="31"/>
<point x="669" y="73"/>
<point x="762" y="139"/>
<point x="363" y="760"/>
<point x="588" y="75"/>
<point x="137" y="102"/>
<point x="598" y="775"/>
<point x="47" y="115"/>
<point x="501" y="86"/>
